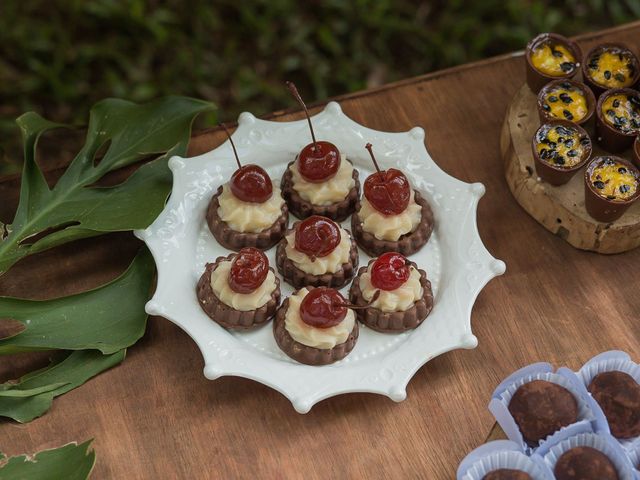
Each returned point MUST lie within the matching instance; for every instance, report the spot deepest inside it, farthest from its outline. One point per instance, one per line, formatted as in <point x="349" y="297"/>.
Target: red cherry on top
<point x="251" y="183"/>
<point x="323" y="307"/>
<point x="319" y="161"/>
<point x="389" y="271"/>
<point x="387" y="190"/>
<point x="317" y="236"/>
<point x="249" y="269"/>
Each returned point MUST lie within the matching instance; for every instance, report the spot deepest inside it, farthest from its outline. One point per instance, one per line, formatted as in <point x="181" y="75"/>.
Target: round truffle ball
<point x="585" y="463"/>
<point x="541" y="408"/>
<point x="507" y="474"/>
<point x="618" y="394"/>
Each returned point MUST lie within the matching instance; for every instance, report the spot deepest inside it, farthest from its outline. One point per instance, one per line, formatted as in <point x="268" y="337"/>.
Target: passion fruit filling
<point x="566" y="102"/>
<point x="553" y="59"/>
<point x="561" y="146"/>
<point x="612" y="68"/>
<point x="622" y="112"/>
<point x="614" y="180"/>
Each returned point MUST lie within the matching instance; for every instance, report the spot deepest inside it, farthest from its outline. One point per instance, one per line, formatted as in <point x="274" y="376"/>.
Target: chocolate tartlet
<point x="609" y="66"/>
<point x="566" y="100"/>
<point x="618" y="118"/>
<point x="227" y="316"/>
<point x="304" y="353"/>
<point x="397" y="321"/>
<point x="541" y="408"/>
<point x="550" y="56"/>
<point x="618" y="394"/>
<point x="507" y="474"/>
<point x="298" y="278"/>
<point x="612" y="185"/>
<point x="585" y="463"/>
<point x="302" y="208"/>
<point x="407" y="244"/>
<point x="234" y="240"/>
<point x="560" y="149"/>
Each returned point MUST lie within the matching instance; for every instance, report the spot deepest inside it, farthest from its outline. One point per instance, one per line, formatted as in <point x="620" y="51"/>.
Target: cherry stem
<point x="366" y="305"/>
<point x="369" y="147"/>
<point x="296" y="95"/>
<point x="226" y="130"/>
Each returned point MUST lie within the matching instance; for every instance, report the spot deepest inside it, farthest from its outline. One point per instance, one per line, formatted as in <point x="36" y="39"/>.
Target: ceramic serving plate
<point x="456" y="261"/>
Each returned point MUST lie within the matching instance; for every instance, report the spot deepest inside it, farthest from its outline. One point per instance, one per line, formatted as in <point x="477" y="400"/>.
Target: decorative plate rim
<point x="387" y="375"/>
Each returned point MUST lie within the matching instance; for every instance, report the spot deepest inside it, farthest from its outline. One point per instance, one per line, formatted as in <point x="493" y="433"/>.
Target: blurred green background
<point x="58" y="57"/>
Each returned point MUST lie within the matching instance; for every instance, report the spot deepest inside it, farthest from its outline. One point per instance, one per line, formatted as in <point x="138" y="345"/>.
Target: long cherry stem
<point x="296" y="95"/>
<point x="235" y="152"/>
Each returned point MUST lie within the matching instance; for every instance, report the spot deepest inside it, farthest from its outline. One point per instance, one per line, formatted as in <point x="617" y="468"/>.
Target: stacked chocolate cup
<point x="594" y="94"/>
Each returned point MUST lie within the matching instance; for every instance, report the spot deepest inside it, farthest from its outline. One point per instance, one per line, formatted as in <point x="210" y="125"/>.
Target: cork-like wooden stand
<point x="560" y="209"/>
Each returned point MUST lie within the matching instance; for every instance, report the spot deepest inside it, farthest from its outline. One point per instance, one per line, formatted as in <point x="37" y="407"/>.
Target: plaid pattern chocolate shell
<point x="302" y="209"/>
<point x="305" y="354"/>
<point x="298" y="279"/>
<point x="233" y="240"/>
<point x="393" y="322"/>
<point x="406" y="244"/>
<point x="227" y="316"/>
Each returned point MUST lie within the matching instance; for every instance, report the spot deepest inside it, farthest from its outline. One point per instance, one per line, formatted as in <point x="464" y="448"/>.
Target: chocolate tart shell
<point x="234" y="240"/>
<point x="301" y="208"/>
<point x="296" y="277"/>
<point x="305" y="354"/>
<point x="392" y="322"/>
<point x="227" y="316"/>
<point x="535" y="78"/>
<point x="407" y="244"/>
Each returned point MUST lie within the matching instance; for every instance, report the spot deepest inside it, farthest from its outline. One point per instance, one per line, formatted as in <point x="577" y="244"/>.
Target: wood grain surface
<point x="560" y="209"/>
<point x="156" y="416"/>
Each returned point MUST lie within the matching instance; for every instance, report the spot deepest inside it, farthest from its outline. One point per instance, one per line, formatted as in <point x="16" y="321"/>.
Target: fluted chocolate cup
<point x="556" y="174"/>
<point x="601" y="208"/>
<point x="610" y="138"/>
<point x="537" y="79"/>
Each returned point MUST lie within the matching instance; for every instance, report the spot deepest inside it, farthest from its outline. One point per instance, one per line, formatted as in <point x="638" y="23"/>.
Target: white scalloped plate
<point x="455" y="259"/>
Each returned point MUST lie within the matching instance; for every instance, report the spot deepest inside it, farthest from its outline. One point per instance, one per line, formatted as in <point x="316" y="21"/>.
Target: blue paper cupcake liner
<point x="501" y="454"/>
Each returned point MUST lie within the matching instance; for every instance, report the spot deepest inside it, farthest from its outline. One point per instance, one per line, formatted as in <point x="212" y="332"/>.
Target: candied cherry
<point x="249" y="269"/>
<point x="318" y="161"/>
<point x="390" y="271"/>
<point x="387" y="190"/>
<point x="323" y="307"/>
<point x="250" y="183"/>
<point x="317" y="236"/>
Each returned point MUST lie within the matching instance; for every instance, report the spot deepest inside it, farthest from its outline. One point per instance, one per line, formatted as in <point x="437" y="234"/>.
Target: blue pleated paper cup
<point x="603" y="442"/>
<point x="587" y="417"/>
<point x="501" y="454"/>
<point x="613" y="360"/>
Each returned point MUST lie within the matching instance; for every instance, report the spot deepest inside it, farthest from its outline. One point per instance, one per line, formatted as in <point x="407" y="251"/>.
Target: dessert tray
<point x="455" y="259"/>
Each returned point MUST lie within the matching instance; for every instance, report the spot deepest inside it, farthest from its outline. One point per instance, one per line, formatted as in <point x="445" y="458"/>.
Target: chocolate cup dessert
<point x="585" y="463"/>
<point x="610" y="138"/>
<point x="234" y="240"/>
<point x="298" y="278"/>
<point x="302" y="209"/>
<point x="392" y="322"/>
<point x="559" y="174"/>
<point x="227" y="316"/>
<point x="599" y="49"/>
<point x="618" y="394"/>
<point x="406" y="245"/>
<point x="507" y="474"/>
<point x="599" y="207"/>
<point x="636" y="151"/>
<point x="545" y="114"/>
<point x="303" y="353"/>
<point x="537" y="79"/>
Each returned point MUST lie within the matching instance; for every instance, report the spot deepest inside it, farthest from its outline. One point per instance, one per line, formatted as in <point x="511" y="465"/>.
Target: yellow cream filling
<point x="621" y="112"/>
<point x="331" y="191"/>
<point x="247" y="217"/>
<point x="614" y="180"/>
<point x="398" y="300"/>
<point x="560" y="146"/>
<point x="389" y="227"/>
<point x="611" y="68"/>
<point x="319" y="265"/>
<point x="566" y="103"/>
<point x="553" y="59"/>
<point x="240" y="301"/>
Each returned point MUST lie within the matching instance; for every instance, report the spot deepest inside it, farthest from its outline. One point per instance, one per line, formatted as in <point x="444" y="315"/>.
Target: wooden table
<point x="156" y="416"/>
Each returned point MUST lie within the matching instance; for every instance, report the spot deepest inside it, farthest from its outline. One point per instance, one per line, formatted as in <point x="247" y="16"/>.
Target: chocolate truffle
<point x="585" y="463"/>
<point x="541" y="408"/>
<point x="618" y="394"/>
<point x="507" y="474"/>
